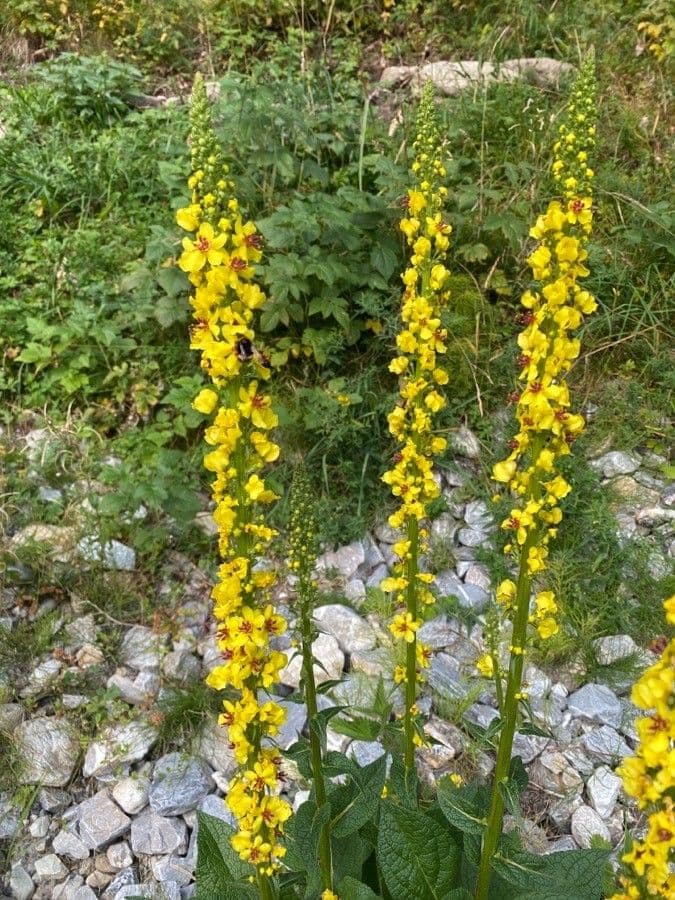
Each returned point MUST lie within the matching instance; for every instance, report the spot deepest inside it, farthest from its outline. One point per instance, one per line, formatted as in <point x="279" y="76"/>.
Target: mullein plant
<point x="649" y="776"/>
<point x="303" y="550"/>
<point x="421" y="342"/>
<point x="553" y="308"/>
<point x="219" y="260"/>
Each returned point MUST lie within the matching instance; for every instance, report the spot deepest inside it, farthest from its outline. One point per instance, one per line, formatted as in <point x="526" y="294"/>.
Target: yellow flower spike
<point x="220" y="262"/>
<point x="552" y="309"/>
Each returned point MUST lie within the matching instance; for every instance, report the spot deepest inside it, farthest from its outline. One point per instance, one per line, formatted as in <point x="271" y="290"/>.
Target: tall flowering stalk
<point x="649" y="776"/>
<point x="420" y="342"/>
<point x="219" y="260"/>
<point x="302" y="556"/>
<point x="553" y="309"/>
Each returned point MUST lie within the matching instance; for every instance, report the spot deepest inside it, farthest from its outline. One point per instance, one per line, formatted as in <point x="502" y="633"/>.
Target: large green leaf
<point x="351" y="889"/>
<point x="463" y="807"/>
<point x="356" y="802"/>
<point x="417" y="857"/>
<point x="220" y="873"/>
<point x="302" y="837"/>
<point x="581" y="872"/>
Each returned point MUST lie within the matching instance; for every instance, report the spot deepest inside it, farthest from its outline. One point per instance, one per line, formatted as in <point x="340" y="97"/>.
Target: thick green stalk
<point x="411" y="648"/>
<point x="509" y="718"/>
<point x="265" y="887"/>
<point x="325" y="859"/>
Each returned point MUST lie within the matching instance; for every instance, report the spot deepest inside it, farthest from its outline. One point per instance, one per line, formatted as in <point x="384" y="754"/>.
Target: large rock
<point x="345" y="560"/>
<point x="616" y="463"/>
<point x="66" y="843"/>
<point x="454" y="77"/>
<point x="49" y="749"/>
<point x="111" y="554"/>
<point x="444" y="677"/>
<point x="329" y="662"/>
<point x="469" y="596"/>
<point x="552" y="773"/>
<point x="119" y="744"/>
<point x="596" y="703"/>
<point x="141" y="648"/>
<point x="587" y="824"/>
<point x="614" y="647"/>
<point x="351" y="631"/>
<point x="214" y="746"/>
<point x="179" y="783"/>
<point x="606" y="744"/>
<point x="464" y="442"/>
<point x="603" y="789"/>
<point x="101" y="821"/>
<point x="49" y="868"/>
<point x="156" y="835"/>
<point x="131" y="793"/>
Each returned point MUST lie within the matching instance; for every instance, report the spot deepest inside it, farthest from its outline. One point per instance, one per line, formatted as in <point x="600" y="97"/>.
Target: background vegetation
<point x="94" y="314"/>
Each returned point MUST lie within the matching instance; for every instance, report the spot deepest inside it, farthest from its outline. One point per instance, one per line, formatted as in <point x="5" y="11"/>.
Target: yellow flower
<point x="205" y="401"/>
<point x="506" y="592"/>
<point x="547" y="627"/>
<point x="188" y="218"/>
<point x="485" y="665"/>
<point x="206" y="248"/>
<point x="256" y="407"/>
<point x="504" y="471"/>
<point x="403" y="626"/>
<point x="416" y="202"/>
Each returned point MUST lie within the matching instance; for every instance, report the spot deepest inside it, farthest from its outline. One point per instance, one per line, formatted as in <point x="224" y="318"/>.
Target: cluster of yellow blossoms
<point x="420" y="342"/>
<point x="219" y="261"/>
<point x="650" y="778"/>
<point x="553" y="309"/>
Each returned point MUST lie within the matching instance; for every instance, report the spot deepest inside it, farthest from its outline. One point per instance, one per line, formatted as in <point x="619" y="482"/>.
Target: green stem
<point x="265" y="888"/>
<point x="509" y="718"/>
<point x="411" y="648"/>
<point x="325" y="859"/>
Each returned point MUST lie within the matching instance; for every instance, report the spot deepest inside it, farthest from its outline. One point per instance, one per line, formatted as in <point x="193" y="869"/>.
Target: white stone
<point x="214" y="746"/>
<point x="469" y="596"/>
<point x="616" y="463"/>
<point x="355" y="590"/>
<point x="179" y="783"/>
<point x="552" y="773"/>
<point x="606" y="744"/>
<point x="49" y="868"/>
<point x="329" y="662"/>
<point x="350" y="630"/>
<point x="119" y="744"/>
<point x="111" y="554"/>
<point x="603" y="789"/>
<point x="49" y="748"/>
<point x="141" y="648"/>
<point x="39" y="827"/>
<point x="131" y="793"/>
<point x="586" y="824"/>
<point x="101" y="821"/>
<point x="614" y="647"/>
<point x="464" y="442"/>
<point x="42" y="676"/>
<point x="478" y="574"/>
<point x="597" y="703"/>
<point x="68" y="844"/>
<point x="345" y="560"/>
<point x="156" y="835"/>
<point x="119" y="855"/>
<point x="20" y="883"/>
